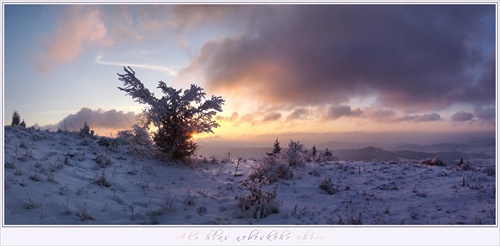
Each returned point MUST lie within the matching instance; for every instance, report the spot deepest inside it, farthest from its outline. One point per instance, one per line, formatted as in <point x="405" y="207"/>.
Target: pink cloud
<point x="79" y="28"/>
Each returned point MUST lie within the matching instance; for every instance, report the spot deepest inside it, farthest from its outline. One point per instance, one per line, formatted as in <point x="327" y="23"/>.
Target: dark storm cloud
<point x="412" y="57"/>
<point x="462" y="116"/>
<point x="485" y="113"/>
<point x="485" y="116"/>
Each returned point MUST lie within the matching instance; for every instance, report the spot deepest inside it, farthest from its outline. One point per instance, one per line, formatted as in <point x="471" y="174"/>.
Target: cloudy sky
<point x="302" y="71"/>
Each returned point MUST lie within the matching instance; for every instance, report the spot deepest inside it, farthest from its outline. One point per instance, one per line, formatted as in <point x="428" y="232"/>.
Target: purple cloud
<point x="297" y="114"/>
<point x="485" y="113"/>
<point x="415" y="58"/>
<point x="462" y="116"/>
<point x="273" y="116"/>
<point x="335" y="112"/>
<point x="423" y="117"/>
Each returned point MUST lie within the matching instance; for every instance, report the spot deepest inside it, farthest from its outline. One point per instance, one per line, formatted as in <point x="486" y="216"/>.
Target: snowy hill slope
<point x="64" y="179"/>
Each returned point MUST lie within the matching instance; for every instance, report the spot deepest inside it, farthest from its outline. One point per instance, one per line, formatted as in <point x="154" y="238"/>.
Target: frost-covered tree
<point x="138" y="135"/>
<point x="16" y="118"/>
<point x="178" y="115"/>
<point x="295" y="154"/>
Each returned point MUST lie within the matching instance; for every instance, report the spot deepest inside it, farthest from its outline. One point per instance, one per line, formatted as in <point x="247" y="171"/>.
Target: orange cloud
<point x="79" y="27"/>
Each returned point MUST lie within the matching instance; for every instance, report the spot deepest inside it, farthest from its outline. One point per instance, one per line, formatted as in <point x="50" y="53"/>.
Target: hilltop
<point x="61" y="178"/>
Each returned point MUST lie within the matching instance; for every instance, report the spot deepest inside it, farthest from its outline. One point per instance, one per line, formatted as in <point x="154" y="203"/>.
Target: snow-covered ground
<point x="63" y="179"/>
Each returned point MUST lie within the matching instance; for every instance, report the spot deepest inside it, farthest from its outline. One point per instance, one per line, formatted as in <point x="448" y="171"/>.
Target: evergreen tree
<point x="23" y="124"/>
<point x="314" y="151"/>
<point x="328" y="155"/>
<point x="178" y="114"/>
<point x="276" y="148"/>
<point x="16" y="118"/>
<point x="85" y="131"/>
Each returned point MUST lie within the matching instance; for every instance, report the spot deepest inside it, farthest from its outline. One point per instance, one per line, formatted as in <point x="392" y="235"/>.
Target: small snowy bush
<point x="261" y="203"/>
<point x="327" y="185"/>
<point x="295" y="154"/>
<point x="108" y="142"/>
<point x="83" y="213"/>
<point x="101" y="180"/>
<point x="272" y="170"/>
<point x="103" y="160"/>
<point x="433" y="162"/>
<point x="464" y="165"/>
<point x="315" y="172"/>
<point x="29" y="203"/>
<point x="138" y="135"/>
<point x="490" y="171"/>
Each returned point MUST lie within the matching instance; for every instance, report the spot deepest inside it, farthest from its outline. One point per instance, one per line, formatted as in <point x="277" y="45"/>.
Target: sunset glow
<point x="314" y="73"/>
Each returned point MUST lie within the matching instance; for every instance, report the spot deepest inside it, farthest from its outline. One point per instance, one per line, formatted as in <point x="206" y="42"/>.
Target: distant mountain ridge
<point x="369" y="153"/>
<point x="465" y="146"/>
<point x="440" y="147"/>
<point x="376" y="154"/>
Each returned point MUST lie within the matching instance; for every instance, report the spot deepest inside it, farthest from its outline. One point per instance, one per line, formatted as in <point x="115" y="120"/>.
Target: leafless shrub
<point x="168" y="204"/>
<point x="35" y="177"/>
<point x="327" y="185"/>
<point x="29" y="203"/>
<point x="103" y="160"/>
<point x="108" y="142"/>
<point x="189" y="200"/>
<point x="11" y="165"/>
<point x="226" y="158"/>
<point x="464" y="166"/>
<point x="435" y="161"/>
<point x="419" y="192"/>
<point x="490" y="171"/>
<point x="67" y="209"/>
<point x="315" y="172"/>
<point x="101" y="180"/>
<point x="261" y="203"/>
<point x="299" y="213"/>
<point x="387" y="186"/>
<point x="132" y="211"/>
<point x="443" y="174"/>
<point x="63" y="191"/>
<point x="83" y="213"/>
<point x="18" y="172"/>
<point x="355" y="220"/>
<point x="57" y="165"/>
<point x="272" y="170"/>
<point x="24" y="144"/>
<point x="236" y="174"/>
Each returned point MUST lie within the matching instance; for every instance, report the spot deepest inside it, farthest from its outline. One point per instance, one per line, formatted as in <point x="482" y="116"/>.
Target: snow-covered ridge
<point x="58" y="178"/>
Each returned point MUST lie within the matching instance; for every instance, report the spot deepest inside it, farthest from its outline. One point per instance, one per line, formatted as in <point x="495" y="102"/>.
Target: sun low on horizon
<point x="314" y="73"/>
